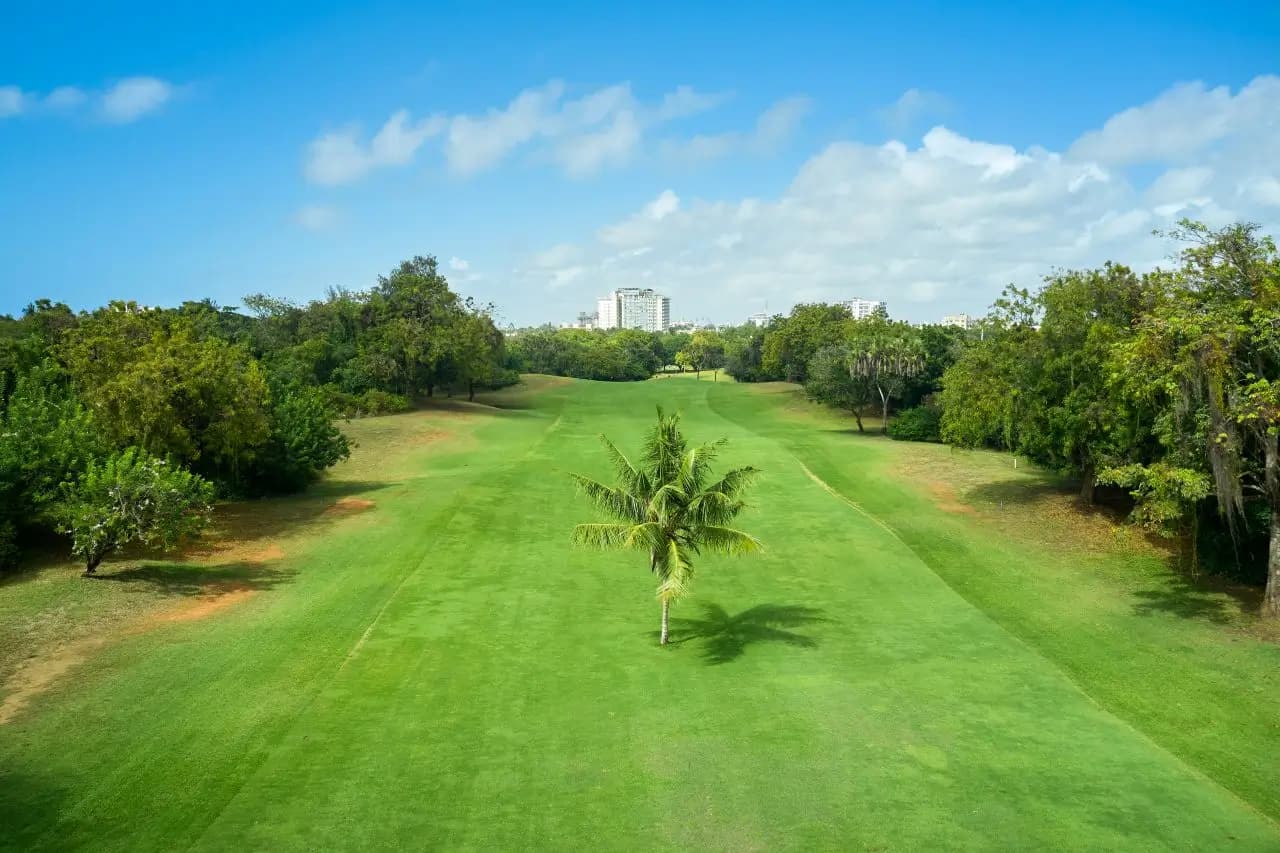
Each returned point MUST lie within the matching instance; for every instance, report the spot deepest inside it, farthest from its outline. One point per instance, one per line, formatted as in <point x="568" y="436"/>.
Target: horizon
<point x="765" y="160"/>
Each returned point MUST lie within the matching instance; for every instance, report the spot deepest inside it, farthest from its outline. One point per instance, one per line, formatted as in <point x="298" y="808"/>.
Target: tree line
<point x="122" y="424"/>
<point x="1161" y="388"/>
<point x="1164" y="384"/>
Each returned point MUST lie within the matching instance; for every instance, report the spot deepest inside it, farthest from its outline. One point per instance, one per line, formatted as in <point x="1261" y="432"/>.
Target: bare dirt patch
<point x="946" y="499"/>
<point x="218" y="598"/>
<point x="348" y="506"/>
<point x="40" y="672"/>
<point x="430" y="436"/>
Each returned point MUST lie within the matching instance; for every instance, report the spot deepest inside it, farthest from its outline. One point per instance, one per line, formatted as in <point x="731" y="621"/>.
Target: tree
<point x="132" y="497"/>
<point x="1210" y="351"/>
<point x="667" y="508"/>
<point x="832" y="382"/>
<point x="705" y="351"/>
<point x="789" y="342"/>
<point x="887" y="355"/>
<point x="304" y="441"/>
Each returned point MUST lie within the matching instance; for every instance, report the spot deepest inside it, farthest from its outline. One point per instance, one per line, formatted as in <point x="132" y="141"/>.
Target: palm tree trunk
<point x="1271" y="596"/>
<point x="666" y="607"/>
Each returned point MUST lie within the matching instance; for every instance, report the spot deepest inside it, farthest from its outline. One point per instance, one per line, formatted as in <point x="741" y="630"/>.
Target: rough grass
<point x="441" y="670"/>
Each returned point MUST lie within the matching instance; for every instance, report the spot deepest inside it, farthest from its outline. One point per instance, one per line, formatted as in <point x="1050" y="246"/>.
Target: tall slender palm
<point x="665" y="506"/>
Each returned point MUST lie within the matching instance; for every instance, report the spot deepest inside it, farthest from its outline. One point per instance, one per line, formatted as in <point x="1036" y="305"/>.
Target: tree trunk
<point x="884" y="413"/>
<point x="857" y="416"/>
<point x="666" y="607"/>
<point x="430" y="389"/>
<point x="1271" y="597"/>
<point x="1088" y="483"/>
<point x="91" y="566"/>
<point x="471" y="391"/>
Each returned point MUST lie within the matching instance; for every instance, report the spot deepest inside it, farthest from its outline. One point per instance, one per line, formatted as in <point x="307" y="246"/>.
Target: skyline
<point x="764" y="159"/>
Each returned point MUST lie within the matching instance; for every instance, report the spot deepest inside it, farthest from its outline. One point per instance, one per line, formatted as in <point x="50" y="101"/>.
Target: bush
<point x="132" y="497"/>
<point x="303" y="442"/>
<point x="923" y="423"/>
<point x="8" y="544"/>
<point x="365" y="404"/>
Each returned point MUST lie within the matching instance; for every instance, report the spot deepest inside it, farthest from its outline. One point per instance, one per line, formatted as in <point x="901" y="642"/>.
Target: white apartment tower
<point x="960" y="321"/>
<point x="634" y="308"/>
<point x="863" y="308"/>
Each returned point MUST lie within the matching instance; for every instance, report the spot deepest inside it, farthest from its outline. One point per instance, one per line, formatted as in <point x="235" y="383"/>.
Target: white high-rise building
<point x="961" y="321"/>
<point x="607" y="312"/>
<point x="863" y="308"/>
<point x="634" y="308"/>
<point x="761" y="319"/>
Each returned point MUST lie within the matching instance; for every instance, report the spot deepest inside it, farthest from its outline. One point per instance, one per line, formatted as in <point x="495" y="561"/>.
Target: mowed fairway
<point x="443" y="671"/>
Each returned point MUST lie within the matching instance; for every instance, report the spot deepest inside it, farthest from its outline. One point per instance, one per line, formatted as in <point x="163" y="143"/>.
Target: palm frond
<point x="713" y="508"/>
<point x="611" y="500"/>
<point x="727" y="540"/>
<point x="645" y="537"/>
<point x="603" y="537"/>
<point x="735" y="482"/>
<point x="675" y="572"/>
<point x="629" y="477"/>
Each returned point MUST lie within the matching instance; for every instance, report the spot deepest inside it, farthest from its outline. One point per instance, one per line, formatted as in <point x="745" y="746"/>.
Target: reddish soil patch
<point x="346" y="506"/>
<point x="266" y="555"/>
<point x="430" y="436"/>
<point x="40" y="673"/>
<point x="947" y="501"/>
<point x="200" y="607"/>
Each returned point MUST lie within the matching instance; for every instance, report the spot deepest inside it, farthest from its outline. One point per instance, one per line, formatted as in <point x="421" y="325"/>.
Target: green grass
<point x="443" y="671"/>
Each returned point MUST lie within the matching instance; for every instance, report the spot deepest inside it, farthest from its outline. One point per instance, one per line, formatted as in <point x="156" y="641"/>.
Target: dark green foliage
<point x="304" y="442"/>
<point x="245" y="400"/>
<point x="620" y="355"/>
<point x="366" y="404"/>
<point x="1166" y="385"/>
<point x="921" y="423"/>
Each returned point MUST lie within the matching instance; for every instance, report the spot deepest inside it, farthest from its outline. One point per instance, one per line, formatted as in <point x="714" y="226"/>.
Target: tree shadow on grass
<point x="1207" y="598"/>
<point x="724" y="638"/>
<point x="187" y="579"/>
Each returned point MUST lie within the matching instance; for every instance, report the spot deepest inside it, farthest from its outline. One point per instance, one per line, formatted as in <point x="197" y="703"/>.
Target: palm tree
<point x="666" y="508"/>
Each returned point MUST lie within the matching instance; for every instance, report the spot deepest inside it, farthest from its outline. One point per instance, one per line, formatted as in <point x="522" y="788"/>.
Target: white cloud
<point x="317" y="217"/>
<point x="341" y="157"/>
<point x="13" y="101"/>
<point x="684" y="102"/>
<point x="458" y="264"/>
<point x="478" y="142"/>
<point x="773" y="128"/>
<point x="944" y="223"/>
<point x="65" y="98"/>
<point x="663" y="206"/>
<point x="911" y="107"/>
<point x="602" y="129"/>
<point x="123" y="102"/>
<point x="1182" y="123"/>
<point x="132" y="98"/>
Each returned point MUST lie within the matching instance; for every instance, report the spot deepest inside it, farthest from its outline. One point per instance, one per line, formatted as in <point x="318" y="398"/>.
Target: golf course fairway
<point x="413" y="656"/>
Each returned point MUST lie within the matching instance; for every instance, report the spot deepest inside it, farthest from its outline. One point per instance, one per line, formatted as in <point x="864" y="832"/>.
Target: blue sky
<point x="733" y="157"/>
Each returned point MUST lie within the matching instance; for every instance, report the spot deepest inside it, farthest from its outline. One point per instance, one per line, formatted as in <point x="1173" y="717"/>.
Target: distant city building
<point x="761" y="319"/>
<point x="960" y="321"/>
<point x="634" y="308"/>
<point x="586" y="320"/>
<point x="862" y="308"/>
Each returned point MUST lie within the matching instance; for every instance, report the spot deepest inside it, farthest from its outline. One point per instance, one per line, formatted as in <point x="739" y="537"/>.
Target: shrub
<point x="921" y="423"/>
<point x="303" y="442"/>
<point x="367" y="403"/>
<point x="129" y="497"/>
